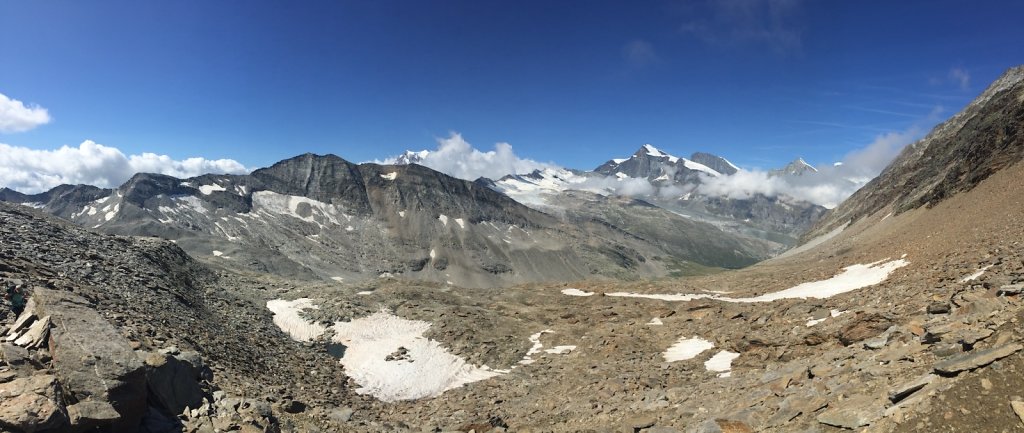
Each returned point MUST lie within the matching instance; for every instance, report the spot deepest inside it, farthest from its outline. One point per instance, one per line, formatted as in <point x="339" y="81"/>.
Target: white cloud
<point x="31" y="171"/>
<point x="15" y="116"/>
<point x="455" y="157"/>
<point x="829" y="186"/>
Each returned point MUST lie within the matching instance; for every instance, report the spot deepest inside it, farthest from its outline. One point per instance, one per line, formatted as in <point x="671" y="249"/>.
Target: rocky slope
<point x="957" y="155"/>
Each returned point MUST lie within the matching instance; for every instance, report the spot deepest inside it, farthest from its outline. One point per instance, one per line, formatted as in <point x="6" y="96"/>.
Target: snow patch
<point x="427" y="371"/>
<point x="460" y="222"/>
<point x="286" y="317"/>
<point x="401" y="213"/>
<point x="721" y="363"/>
<point x="655" y="322"/>
<point x="576" y="292"/>
<point x="560" y="350"/>
<point x="217" y="253"/>
<point x="444" y="219"/>
<point x="338" y="279"/>
<point x="209" y="189"/>
<point x="687" y="348"/>
<point x="390" y="176"/>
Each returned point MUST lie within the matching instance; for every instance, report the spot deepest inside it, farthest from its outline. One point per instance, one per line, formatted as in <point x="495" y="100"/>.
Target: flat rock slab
<point x="853" y="412"/>
<point x="1018" y="408"/>
<point x="903" y="391"/>
<point x="92" y="359"/>
<point x="979" y="358"/>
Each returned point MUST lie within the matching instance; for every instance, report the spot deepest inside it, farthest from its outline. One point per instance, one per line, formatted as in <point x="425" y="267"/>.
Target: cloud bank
<point x="32" y="171"/>
<point x="455" y="157"/>
<point x="15" y="116"/>
<point x="829" y="186"/>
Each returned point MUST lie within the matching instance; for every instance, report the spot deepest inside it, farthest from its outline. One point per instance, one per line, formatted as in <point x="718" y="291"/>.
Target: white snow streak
<point x="852" y="278"/>
<point x="975" y="275"/>
<point x="576" y="292"/>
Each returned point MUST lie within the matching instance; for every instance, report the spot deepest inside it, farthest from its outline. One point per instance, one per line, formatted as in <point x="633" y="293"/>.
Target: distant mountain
<point x="983" y="138"/>
<point x="323" y="217"/>
<point x="798" y="167"/>
<point x="715" y="162"/>
<point x="410" y="157"/>
<point x="652" y="164"/>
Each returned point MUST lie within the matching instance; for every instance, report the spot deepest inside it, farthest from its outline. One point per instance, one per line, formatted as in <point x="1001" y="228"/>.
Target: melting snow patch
<point x="535" y="349"/>
<point x="349" y="228"/>
<point x="655" y="322"/>
<point x="831" y="313"/>
<point x="687" y="348"/>
<point x="460" y="222"/>
<point x="338" y="279"/>
<point x="444" y="219"/>
<point x="365" y="292"/>
<point x="852" y="278"/>
<point x="975" y="275"/>
<point x="401" y="213"/>
<point x="209" y="189"/>
<point x="286" y="317"/>
<point x="721" y="363"/>
<point x="390" y="176"/>
<point x="560" y="350"/>
<point x="426" y="370"/>
<point x="576" y="292"/>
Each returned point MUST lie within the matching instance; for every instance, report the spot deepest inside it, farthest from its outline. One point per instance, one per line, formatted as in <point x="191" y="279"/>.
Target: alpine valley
<point x="321" y="295"/>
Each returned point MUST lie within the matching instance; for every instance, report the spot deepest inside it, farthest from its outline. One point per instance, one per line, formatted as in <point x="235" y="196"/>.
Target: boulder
<point x="864" y="326"/>
<point x="173" y="383"/>
<point x="91" y="358"/>
<point x="89" y="414"/>
<point x="30" y="404"/>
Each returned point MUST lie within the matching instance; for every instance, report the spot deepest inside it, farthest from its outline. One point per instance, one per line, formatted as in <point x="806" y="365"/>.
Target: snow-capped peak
<point x="653" y="151"/>
<point x="801" y="162"/>
<point x="410" y="157"/>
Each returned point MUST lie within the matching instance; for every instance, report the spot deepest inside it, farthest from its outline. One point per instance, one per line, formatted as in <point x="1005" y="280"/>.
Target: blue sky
<point x="573" y="82"/>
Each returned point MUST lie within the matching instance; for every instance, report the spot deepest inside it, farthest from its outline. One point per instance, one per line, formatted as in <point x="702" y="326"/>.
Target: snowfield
<point x="429" y="370"/>
<point x="721" y="363"/>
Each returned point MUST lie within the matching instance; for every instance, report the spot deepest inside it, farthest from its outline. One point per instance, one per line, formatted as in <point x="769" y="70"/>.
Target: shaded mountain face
<point x="985" y="137"/>
<point x="323" y="217"/>
<point x="715" y="162"/>
<point x="798" y="167"/>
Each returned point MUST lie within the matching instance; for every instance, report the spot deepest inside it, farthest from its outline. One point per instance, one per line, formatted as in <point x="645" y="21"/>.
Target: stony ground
<point x="923" y="350"/>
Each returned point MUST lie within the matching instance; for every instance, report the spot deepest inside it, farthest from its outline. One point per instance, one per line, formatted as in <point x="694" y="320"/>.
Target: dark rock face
<point x="92" y="359"/>
<point x="716" y="162"/>
<point x="984" y="138"/>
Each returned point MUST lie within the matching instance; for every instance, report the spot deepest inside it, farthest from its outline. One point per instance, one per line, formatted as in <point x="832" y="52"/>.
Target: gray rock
<point x="979" y="358"/>
<point x="173" y="383"/>
<point x="938" y="307"/>
<point x="89" y="414"/>
<point x="903" y="391"/>
<point x="857" y="411"/>
<point x="36" y="334"/>
<point x="92" y="360"/>
<point x="30" y="404"/>
<point x="341" y="415"/>
<point x="1010" y="289"/>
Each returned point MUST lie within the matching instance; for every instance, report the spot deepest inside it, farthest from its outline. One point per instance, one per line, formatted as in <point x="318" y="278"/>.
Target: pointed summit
<point x="796" y="168"/>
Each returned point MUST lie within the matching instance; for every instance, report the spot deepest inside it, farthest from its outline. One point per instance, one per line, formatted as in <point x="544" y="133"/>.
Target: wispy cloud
<point x="639" y="53"/>
<point x="31" y="170"/>
<point x="962" y="77"/>
<point x="771" y="23"/>
<point x="15" y="116"/>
